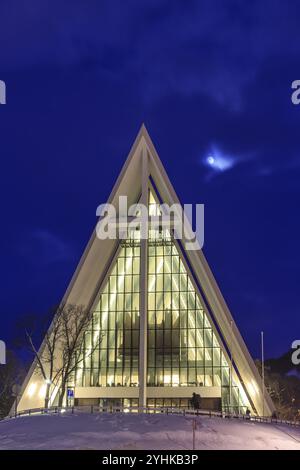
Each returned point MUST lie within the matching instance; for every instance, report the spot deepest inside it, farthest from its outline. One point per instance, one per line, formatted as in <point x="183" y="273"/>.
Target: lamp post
<point x="231" y="364"/>
<point x="263" y="372"/>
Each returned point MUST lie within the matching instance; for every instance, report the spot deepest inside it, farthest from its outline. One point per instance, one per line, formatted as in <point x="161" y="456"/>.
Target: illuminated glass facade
<point x="113" y="336"/>
<point x="182" y="347"/>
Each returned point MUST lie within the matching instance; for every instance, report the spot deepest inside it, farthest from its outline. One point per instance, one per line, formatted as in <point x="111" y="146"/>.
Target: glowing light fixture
<point x="31" y="389"/>
<point x="42" y="391"/>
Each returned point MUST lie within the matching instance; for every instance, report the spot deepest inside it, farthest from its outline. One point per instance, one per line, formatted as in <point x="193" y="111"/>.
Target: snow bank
<point x="133" y="431"/>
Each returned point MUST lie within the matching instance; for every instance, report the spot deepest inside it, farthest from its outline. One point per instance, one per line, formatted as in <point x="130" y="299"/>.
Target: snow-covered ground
<point x="133" y="431"/>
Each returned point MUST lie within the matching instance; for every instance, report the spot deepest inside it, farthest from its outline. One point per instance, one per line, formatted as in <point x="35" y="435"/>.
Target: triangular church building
<point x="161" y="329"/>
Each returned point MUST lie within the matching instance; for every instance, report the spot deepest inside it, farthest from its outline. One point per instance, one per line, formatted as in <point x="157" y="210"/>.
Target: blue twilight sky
<point x="212" y="82"/>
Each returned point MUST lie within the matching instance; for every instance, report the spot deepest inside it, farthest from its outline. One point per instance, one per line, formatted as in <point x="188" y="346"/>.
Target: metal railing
<point x="91" y="409"/>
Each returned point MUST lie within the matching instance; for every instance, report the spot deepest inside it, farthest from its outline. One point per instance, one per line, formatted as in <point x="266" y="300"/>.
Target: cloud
<point x="43" y="247"/>
<point x="209" y="47"/>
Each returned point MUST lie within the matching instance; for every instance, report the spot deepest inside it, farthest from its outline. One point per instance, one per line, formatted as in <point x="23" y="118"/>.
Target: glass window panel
<point x="159" y="287"/>
<point x="215" y="341"/>
<point x="103" y="342"/>
<point x="223" y="360"/>
<point x="159" y="251"/>
<point x="199" y="338"/>
<point x="112" y="284"/>
<point x="175" y="282"/>
<point x="128" y="302"/>
<point x="208" y="377"/>
<point x="159" y="299"/>
<point x="183" y="377"/>
<point x="208" y="337"/>
<point x="151" y="378"/>
<point x="225" y="375"/>
<point x="182" y="268"/>
<point x="175" y="360"/>
<point x="167" y="250"/>
<point x="127" y="338"/>
<point x="200" y="357"/>
<point x="121" y="266"/>
<point x="151" y="319"/>
<point x="151" y="282"/>
<point x="199" y="319"/>
<point x="183" y="318"/>
<point x="167" y="339"/>
<point x="136" y="266"/>
<point x="183" y="282"/>
<point x="151" y="301"/>
<point x="183" y="300"/>
<point x="191" y="338"/>
<point x="151" y="338"/>
<point x="111" y="338"/>
<point x="128" y="283"/>
<point x="112" y="302"/>
<point x="151" y="250"/>
<point x="135" y="319"/>
<point x="87" y="377"/>
<point x="96" y="321"/>
<point x="175" y="318"/>
<point x="159" y="339"/>
<point x="159" y="318"/>
<point x="167" y="264"/>
<point x="167" y="318"/>
<point x="87" y="360"/>
<point x="136" y="286"/>
<point x="151" y="358"/>
<point x="191" y="319"/>
<point x="113" y="273"/>
<point x="129" y="252"/>
<point x="208" y="356"/>
<point x="135" y="302"/>
<point x="217" y="377"/>
<point x="151" y="264"/>
<point x="206" y="322"/>
<point x="119" y="336"/>
<point x="192" y="376"/>
<point x="200" y="376"/>
<point x="104" y="302"/>
<point x="192" y="356"/>
<point x="191" y="300"/>
<point x="88" y="339"/>
<point x="175" y="300"/>
<point x="120" y="283"/>
<point x="120" y="302"/>
<point x="167" y="300"/>
<point x="135" y="338"/>
<point x="167" y="282"/>
<point x="175" y="264"/>
<point x="216" y="357"/>
<point x="175" y="339"/>
<point x="111" y="357"/>
<point x="112" y="320"/>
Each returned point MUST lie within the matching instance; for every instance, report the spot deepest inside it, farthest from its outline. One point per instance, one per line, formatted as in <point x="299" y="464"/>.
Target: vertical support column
<point x="143" y="291"/>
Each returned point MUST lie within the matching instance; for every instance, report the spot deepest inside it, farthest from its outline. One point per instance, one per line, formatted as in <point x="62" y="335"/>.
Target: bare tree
<point x="48" y="328"/>
<point x="75" y="321"/>
<point x="63" y="349"/>
<point x="46" y="357"/>
<point x="11" y="373"/>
